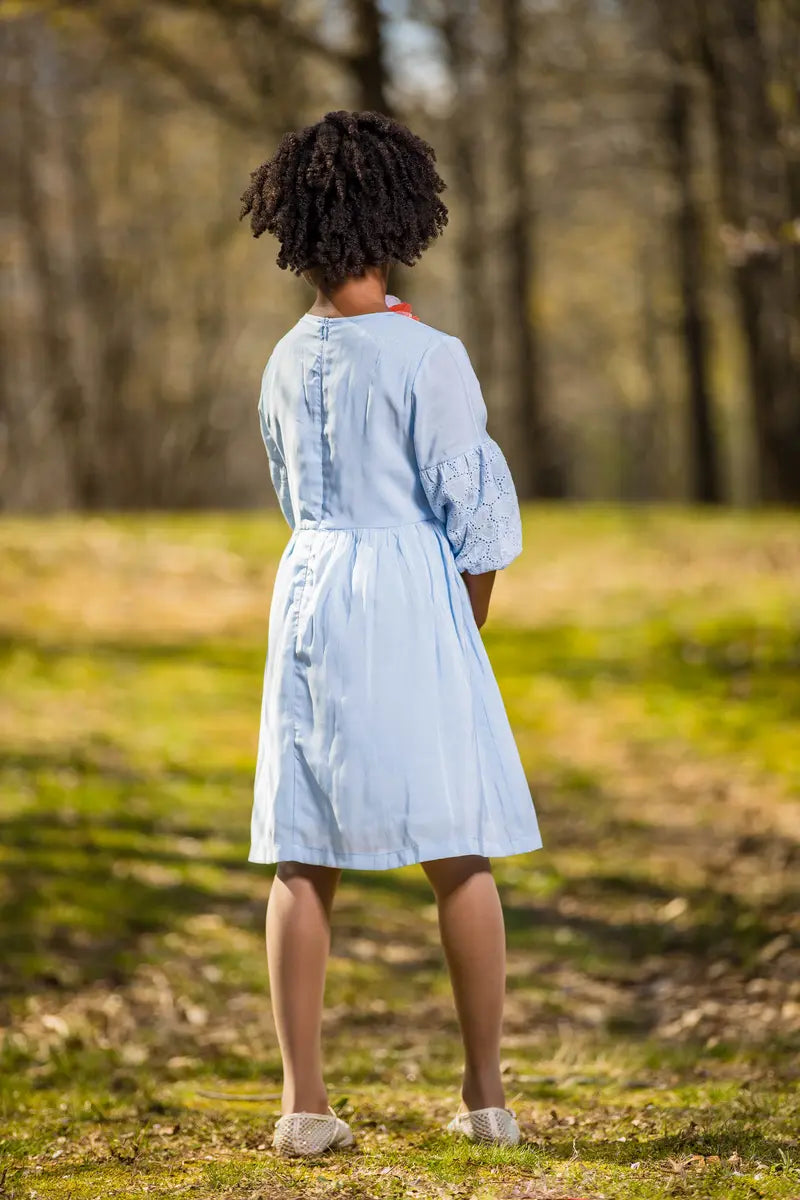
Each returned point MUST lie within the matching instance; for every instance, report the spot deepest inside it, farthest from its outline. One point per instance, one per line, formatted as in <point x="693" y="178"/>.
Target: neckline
<point x="381" y="312"/>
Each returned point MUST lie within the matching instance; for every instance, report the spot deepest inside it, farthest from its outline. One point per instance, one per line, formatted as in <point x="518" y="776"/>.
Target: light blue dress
<point x="384" y="739"/>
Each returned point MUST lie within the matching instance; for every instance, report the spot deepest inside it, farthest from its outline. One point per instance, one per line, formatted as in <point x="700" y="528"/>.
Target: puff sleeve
<point x="463" y="471"/>
<point x="277" y="464"/>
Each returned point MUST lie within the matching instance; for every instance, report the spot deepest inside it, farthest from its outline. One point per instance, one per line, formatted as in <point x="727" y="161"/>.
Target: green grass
<point x="650" y="663"/>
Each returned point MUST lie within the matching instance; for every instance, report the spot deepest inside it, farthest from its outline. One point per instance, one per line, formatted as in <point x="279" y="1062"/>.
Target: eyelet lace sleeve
<point x="463" y="471"/>
<point x="475" y="497"/>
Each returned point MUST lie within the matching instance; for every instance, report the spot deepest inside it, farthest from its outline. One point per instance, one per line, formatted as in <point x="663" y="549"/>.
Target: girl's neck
<point x="352" y="298"/>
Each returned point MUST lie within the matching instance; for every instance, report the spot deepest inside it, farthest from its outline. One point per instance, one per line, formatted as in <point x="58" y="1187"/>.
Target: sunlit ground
<point x="650" y="662"/>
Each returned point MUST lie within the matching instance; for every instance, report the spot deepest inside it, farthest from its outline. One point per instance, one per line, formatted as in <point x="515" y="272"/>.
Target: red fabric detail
<point x="403" y="308"/>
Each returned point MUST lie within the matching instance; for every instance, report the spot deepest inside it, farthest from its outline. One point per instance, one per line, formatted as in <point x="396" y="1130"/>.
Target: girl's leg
<point x="298" y="942"/>
<point x="474" y="941"/>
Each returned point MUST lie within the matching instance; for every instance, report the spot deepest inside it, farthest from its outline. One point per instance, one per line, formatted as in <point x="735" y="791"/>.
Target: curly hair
<point x="356" y="189"/>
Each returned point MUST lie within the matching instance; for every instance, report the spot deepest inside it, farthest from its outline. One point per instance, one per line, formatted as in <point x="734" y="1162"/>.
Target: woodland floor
<point x="650" y="663"/>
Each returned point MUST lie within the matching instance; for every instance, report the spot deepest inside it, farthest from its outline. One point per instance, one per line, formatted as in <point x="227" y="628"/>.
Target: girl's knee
<point x="323" y="879"/>
<point x="445" y="874"/>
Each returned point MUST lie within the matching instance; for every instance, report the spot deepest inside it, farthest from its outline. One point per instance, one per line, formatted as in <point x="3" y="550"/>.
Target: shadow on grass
<point x="758" y="665"/>
<point x="82" y="888"/>
<point x="77" y="900"/>
<point x="74" y="909"/>
<point x="738" y="1139"/>
<point x="223" y="655"/>
<point x="84" y="883"/>
<point x="715" y="922"/>
<point x="92" y="764"/>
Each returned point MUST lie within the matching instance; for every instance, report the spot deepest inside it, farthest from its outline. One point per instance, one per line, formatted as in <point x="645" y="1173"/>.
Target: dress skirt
<point x="384" y="738"/>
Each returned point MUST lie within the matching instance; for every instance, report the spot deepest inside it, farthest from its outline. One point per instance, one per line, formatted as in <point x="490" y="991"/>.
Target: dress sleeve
<point x="277" y="464"/>
<point x="463" y="470"/>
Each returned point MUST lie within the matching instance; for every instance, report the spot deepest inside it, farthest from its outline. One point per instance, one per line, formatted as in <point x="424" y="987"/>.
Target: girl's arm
<point x="479" y="589"/>
<point x="463" y="471"/>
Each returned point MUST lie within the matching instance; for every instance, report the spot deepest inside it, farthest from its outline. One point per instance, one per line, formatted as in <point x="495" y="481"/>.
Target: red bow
<point x="403" y="308"/>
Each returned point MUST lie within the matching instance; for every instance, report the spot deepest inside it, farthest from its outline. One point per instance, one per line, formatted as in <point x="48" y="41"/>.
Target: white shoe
<point x="498" y="1125"/>
<point x="311" y="1133"/>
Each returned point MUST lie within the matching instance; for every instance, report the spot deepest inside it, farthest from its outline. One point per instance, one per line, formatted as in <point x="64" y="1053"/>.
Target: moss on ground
<point x="650" y="665"/>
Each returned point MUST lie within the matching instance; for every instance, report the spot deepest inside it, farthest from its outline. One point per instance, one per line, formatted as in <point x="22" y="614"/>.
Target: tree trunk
<point x="459" y="32"/>
<point x="754" y="196"/>
<point x="108" y="333"/>
<point x="704" y="475"/>
<point x="61" y="377"/>
<point x="369" y="60"/>
<point x="537" y="470"/>
<point x="649" y="450"/>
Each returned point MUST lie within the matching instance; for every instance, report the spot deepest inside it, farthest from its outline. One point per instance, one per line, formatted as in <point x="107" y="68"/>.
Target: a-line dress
<point x="384" y="739"/>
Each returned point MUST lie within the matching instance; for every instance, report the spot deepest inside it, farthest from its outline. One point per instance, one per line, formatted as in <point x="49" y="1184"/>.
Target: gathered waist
<point x="308" y="523"/>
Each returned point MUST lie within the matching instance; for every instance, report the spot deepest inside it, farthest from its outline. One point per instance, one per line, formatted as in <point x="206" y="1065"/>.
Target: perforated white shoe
<point x="308" y="1133"/>
<point x="497" y="1125"/>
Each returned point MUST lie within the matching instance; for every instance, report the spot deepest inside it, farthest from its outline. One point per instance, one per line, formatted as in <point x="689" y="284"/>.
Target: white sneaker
<point x="498" y="1125"/>
<point x="311" y="1133"/>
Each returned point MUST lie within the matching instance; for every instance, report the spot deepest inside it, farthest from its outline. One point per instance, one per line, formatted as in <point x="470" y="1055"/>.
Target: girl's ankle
<point x="483" y="1090"/>
<point x="293" y="1102"/>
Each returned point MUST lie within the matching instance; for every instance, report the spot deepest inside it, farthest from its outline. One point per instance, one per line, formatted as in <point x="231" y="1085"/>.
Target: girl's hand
<point x="479" y="589"/>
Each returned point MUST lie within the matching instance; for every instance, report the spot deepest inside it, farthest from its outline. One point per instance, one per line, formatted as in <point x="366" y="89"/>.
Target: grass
<point x="650" y="663"/>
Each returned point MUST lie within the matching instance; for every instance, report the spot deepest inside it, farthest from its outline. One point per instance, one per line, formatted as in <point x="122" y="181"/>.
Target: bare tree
<point x="755" y="196"/>
<point x="367" y="61"/>
<point x="461" y="25"/>
<point x="690" y="258"/>
<point x="538" y="470"/>
<point x="135" y="318"/>
<point x="255" y="30"/>
<point x="38" y="67"/>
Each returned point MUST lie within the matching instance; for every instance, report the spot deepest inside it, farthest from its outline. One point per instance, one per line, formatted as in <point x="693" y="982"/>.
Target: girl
<point x="384" y="740"/>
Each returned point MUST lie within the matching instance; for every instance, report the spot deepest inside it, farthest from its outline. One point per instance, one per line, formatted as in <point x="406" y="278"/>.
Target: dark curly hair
<point x="354" y="190"/>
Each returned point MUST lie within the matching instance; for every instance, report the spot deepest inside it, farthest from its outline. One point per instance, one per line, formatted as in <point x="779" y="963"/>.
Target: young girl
<point x="384" y="740"/>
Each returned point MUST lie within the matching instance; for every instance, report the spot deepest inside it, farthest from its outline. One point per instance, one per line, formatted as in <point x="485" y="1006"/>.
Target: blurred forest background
<point x="623" y="264"/>
<point x="622" y="259"/>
